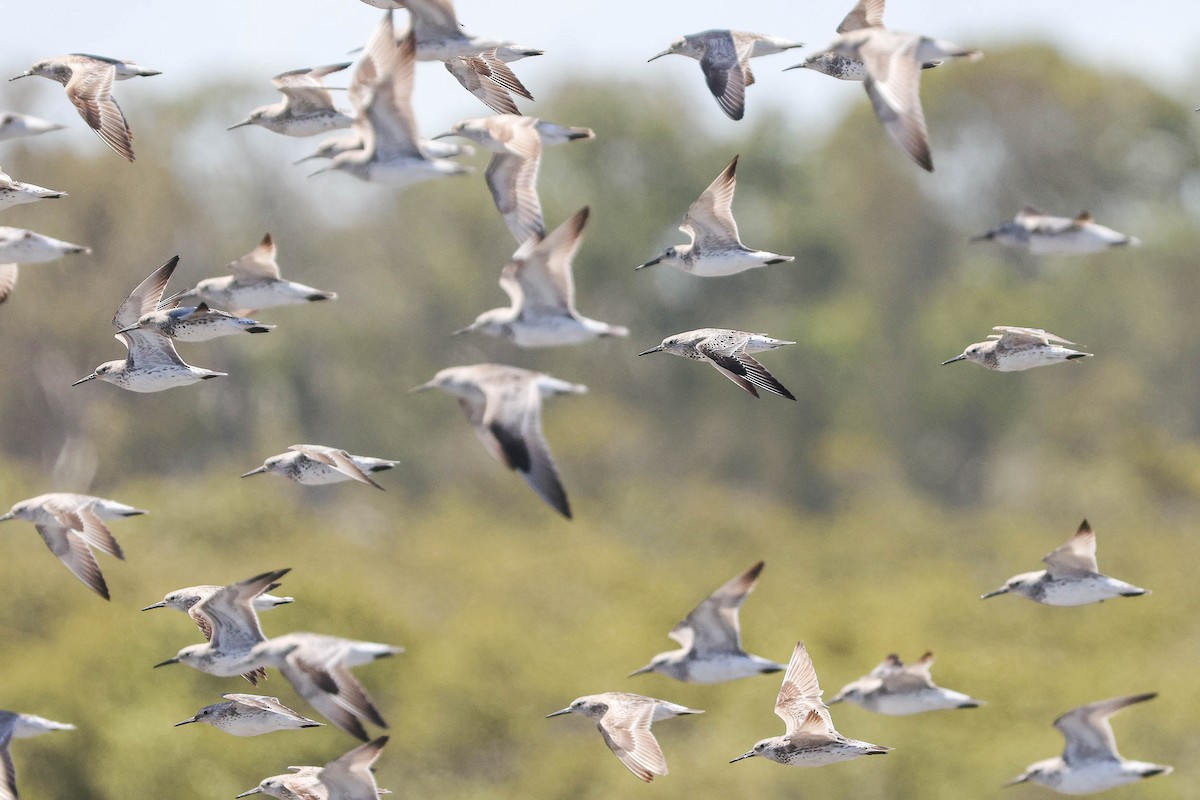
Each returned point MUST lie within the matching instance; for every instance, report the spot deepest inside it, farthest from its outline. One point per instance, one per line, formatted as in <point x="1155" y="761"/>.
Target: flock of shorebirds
<point x="504" y="403"/>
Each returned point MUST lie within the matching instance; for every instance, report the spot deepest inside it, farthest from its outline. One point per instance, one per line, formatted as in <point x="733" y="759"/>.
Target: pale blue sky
<point x="194" y="41"/>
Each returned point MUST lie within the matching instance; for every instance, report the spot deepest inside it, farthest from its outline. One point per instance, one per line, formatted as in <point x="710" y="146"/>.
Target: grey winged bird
<point x="715" y="248"/>
<point x="20" y="726"/>
<point x="1071" y="577"/>
<point x="724" y="57"/>
<point x="898" y="689"/>
<point x="710" y="639"/>
<point x="893" y="62"/>
<point x="728" y="351"/>
<point x="1090" y="761"/>
<point x="504" y="406"/>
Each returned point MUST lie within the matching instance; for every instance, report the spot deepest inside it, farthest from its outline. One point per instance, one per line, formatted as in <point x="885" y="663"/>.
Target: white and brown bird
<point x="504" y="406"/>
<point x="307" y="107"/>
<point x="255" y="283"/>
<point x="516" y="143"/>
<point x="1090" y="762"/>
<point x="810" y="740"/>
<point x="898" y="689"/>
<point x="624" y="720"/>
<point x="70" y="525"/>
<point x="728" y="351"/>
<point x="893" y="62"/>
<point x="715" y="248"/>
<point x="392" y="152"/>
<point x="539" y="282"/>
<point x="228" y="618"/>
<point x="152" y="364"/>
<point x="88" y="81"/>
<point x="490" y="79"/>
<point x="348" y="777"/>
<point x="724" y="57"/>
<point x="711" y="639"/>
<point x="1041" y="234"/>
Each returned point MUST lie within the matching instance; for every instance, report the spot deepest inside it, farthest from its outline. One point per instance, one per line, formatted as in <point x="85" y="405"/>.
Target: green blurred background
<point x="884" y="501"/>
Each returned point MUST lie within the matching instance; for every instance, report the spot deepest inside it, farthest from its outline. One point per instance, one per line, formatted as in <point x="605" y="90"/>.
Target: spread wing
<point x="893" y="83"/>
<point x="724" y="73"/>
<point x="334" y="692"/>
<point x="539" y="278"/>
<point x="799" y="704"/>
<point x="391" y="132"/>
<point x="866" y="14"/>
<point x="74" y="552"/>
<point x="1087" y="730"/>
<point x="742" y="368"/>
<point x="713" y="626"/>
<point x="490" y="80"/>
<point x="336" y="459"/>
<point x="512" y="180"/>
<point x="911" y="678"/>
<point x="511" y="429"/>
<point x="145" y="297"/>
<point x="433" y="19"/>
<point x="709" y="219"/>
<point x="626" y="731"/>
<point x="350" y="777"/>
<point x="258" y="264"/>
<point x="305" y="90"/>
<point x="90" y="90"/>
<point x="1077" y="556"/>
<point x="230" y="613"/>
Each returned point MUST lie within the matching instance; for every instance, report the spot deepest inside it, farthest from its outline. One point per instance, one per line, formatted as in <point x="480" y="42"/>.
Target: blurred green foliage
<point x="884" y="501"/>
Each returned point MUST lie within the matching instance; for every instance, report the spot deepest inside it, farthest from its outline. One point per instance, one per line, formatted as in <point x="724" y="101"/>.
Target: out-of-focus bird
<point x="504" y="406"/>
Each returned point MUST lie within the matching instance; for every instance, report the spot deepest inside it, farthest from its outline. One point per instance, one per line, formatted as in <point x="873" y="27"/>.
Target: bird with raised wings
<point x="715" y="248"/>
<point x="711" y="639"/>
<point x="152" y="364"/>
<point x="539" y="282"/>
<point x="810" y="740"/>
<point x="1090" y="761"/>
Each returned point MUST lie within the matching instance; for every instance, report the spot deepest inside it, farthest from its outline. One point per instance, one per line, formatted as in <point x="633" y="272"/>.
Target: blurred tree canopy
<point x="884" y="501"/>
